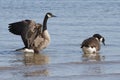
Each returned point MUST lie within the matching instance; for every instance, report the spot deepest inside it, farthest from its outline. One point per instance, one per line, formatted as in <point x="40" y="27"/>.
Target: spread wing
<point x="91" y="42"/>
<point x="18" y="27"/>
<point x="27" y="29"/>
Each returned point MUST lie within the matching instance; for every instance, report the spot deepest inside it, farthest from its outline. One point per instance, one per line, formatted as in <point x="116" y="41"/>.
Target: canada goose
<point x="92" y="44"/>
<point x="34" y="35"/>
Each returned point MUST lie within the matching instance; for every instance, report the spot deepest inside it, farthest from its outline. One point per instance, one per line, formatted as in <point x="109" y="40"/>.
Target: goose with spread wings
<point x="34" y="35"/>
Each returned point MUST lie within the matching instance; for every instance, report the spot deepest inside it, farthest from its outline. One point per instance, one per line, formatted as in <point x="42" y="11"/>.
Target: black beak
<point x="103" y="41"/>
<point x="54" y="16"/>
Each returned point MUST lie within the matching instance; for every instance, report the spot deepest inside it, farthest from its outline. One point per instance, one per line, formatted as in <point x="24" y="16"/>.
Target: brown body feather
<point x="92" y="41"/>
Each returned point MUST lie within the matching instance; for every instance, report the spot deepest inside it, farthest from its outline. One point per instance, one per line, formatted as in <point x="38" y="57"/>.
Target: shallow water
<point x="62" y="60"/>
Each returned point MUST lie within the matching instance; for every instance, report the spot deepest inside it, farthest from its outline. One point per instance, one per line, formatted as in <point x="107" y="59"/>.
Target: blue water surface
<point x="62" y="60"/>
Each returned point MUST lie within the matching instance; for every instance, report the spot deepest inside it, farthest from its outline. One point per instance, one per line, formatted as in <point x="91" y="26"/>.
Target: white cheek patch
<point x="49" y="15"/>
<point x="101" y="39"/>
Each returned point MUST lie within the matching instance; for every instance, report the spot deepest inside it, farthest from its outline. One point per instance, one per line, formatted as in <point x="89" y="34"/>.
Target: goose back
<point x="91" y="42"/>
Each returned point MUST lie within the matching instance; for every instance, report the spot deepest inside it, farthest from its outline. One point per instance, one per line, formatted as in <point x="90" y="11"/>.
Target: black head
<point x="100" y="38"/>
<point x="49" y="15"/>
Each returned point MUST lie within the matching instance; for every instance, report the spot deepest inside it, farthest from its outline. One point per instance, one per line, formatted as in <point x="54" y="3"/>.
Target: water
<point x="62" y="60"/>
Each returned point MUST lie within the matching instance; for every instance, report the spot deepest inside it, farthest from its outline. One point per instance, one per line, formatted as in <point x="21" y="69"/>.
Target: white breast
<point x="89" y="50"/>
<point x="44" y="41"/>
<point x="46" y="35"/>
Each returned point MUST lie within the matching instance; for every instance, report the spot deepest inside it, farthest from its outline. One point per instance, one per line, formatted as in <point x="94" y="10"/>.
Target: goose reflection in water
<point x="93" y="57"/>
<point x="35" y="59"/>
<point x="31" y="59"/>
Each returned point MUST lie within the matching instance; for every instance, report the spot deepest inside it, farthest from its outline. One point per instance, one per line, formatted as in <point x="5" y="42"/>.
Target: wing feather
<point x="28" y="30"/>
<point x="32" y="35"/>
<point x="18" y="27"/>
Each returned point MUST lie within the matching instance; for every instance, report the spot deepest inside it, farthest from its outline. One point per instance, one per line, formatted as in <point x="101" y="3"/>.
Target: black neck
<point x="45" y="23"/>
